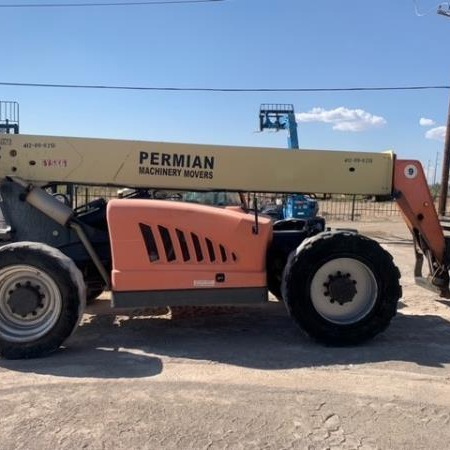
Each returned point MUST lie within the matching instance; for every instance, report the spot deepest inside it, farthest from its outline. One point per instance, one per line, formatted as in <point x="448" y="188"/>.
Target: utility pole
<point x="436" y="163"/>
<point x="445" y="170"/>
<point x="446" y="161"/>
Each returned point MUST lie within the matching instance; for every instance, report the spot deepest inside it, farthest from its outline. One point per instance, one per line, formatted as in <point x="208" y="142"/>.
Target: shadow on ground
<point x="261" y="338"/>
<point x="86" y="361"/>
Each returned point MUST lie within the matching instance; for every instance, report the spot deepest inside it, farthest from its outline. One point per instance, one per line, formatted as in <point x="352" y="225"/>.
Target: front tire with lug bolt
<point x="341" y="288"/>
<point x="42" y="297"/>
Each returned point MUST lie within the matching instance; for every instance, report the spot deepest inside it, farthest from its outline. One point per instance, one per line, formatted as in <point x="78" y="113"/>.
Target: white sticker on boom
<point x="204" y="283"/>
<point x="410" y="171"/>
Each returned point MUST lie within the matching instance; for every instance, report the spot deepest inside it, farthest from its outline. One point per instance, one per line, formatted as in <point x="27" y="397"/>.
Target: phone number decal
<point x="55" y="163"/>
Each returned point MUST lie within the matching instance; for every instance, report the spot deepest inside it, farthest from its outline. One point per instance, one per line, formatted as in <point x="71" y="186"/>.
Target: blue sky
<point x="233" y="44"/>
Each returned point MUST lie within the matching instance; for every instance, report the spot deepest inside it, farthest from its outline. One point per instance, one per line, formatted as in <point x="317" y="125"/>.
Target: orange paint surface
<point x="168" y="245"/>
<point x="416" y="205"/>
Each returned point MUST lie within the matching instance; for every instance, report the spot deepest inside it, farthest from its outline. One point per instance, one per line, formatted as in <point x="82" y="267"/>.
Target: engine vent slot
<point x="167" y="243"/>
<point x="183" y="245"/>
<point x="223" y="253"/>
<point x="150" y="243"/>
<point x="211" y="253"/>
<point x="197" y="247"/>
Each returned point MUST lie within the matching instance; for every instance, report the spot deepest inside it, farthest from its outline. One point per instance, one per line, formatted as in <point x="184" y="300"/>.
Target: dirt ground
<point x="238" y="379"/>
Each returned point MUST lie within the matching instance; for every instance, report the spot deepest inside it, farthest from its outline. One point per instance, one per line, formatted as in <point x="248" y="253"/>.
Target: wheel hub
<point x="25" y="300"/>
<point x="340" y="288"/>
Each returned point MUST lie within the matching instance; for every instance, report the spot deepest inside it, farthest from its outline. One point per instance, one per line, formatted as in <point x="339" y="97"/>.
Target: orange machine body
<point x="417" y="206"/>
<point x="167" y="245"/>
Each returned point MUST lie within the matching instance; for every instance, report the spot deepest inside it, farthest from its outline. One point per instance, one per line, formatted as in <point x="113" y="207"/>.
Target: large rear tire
<point x="42" y="298"/>
<point x="275" y="267"/>
<point x="341" y="288"/>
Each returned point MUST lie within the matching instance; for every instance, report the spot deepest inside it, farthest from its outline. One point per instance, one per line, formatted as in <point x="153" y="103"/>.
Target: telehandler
<point x="339" y="286"/>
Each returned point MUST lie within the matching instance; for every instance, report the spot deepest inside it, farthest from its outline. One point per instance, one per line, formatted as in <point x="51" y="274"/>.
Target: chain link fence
<point x="344" y="207"/>
<point x="332" y="207"/>
<point x="336" y="207"/>
<point x="357" y="208"/>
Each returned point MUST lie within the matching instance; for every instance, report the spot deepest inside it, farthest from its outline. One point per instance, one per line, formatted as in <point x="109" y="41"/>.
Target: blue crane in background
<point x="282" y="117"/>
<point x="279" y="117"/>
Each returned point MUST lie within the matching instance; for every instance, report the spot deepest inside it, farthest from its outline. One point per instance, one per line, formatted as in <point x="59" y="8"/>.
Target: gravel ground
<point x="238" y="378"/>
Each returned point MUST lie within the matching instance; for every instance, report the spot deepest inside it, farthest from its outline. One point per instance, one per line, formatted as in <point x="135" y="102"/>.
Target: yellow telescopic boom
<point x="45" y="159"/>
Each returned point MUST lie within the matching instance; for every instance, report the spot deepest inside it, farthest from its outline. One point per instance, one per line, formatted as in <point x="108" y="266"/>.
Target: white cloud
<point x="424" y="122"/>
<point x="438" y="133"/>
<point x="343" y="119"/>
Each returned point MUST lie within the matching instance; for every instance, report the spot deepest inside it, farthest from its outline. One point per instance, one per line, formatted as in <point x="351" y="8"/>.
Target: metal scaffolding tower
<point x="9" y="117"/>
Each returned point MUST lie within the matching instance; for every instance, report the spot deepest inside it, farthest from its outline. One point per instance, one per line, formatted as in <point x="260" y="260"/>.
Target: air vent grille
<point x="175" y="245"/>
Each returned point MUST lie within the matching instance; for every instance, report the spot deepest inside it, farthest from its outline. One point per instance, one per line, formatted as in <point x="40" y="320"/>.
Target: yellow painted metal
<point x="43" y="159"/>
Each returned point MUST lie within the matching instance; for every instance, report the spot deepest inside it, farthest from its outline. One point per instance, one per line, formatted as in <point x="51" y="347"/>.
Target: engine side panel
<point x="168" y="245"/>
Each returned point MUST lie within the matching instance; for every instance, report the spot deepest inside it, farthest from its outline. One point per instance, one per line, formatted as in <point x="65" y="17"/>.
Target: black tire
<point x="321" y="282"/>
<point x="275" y="268"/>
<point x="290" y="224"/>
<point x="42" y="297"/>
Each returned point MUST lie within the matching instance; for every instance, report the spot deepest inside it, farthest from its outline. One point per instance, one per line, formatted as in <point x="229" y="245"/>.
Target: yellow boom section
<point x="45" y="159"/>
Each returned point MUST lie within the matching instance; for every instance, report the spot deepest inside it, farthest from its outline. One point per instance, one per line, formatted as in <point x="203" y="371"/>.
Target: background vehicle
<point x="300" y="206"/>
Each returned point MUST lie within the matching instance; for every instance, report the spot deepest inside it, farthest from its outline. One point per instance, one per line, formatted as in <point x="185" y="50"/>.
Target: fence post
<point x="353" y="208"/>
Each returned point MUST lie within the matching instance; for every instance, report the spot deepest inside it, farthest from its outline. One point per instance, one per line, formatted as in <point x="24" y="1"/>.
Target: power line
<point x="203" y="89"/>
<point x="84" y="5"/>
